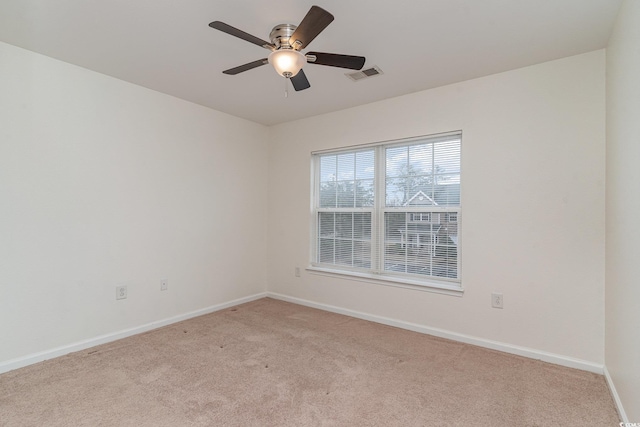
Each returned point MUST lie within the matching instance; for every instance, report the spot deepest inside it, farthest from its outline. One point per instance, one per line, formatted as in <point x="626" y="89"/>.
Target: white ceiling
<point x="167" y="45"/>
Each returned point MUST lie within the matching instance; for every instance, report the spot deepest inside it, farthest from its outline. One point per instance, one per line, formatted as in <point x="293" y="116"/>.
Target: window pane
<point x="346" y="166"/>
<point x="346" y="180"/>
<point x="422" y="243"/>
<point x="394" y="192"/>
<point x="344" y="225"/>
<point x="344" y="238"/>
<point x="328" y="192"/>
<point x="326" y="227"/>
<point x="346" y="194"/>
<point x="421" y="159"/>
<point x="417" y="261"/>
<point x="409" y="173"/>
<point x="395" y="226"/>
<point x="397" y="158"/>
<point x="344" y="252"/>
<point x="328" y="168"/>
<point x="416" y="175"/>
<point x="446" y="191"/>
<point x="326" y="250"/>
<point x="447" y="156"/>
<point x="362" y="226"/>
<point x="365" y="161"/>
<point x="362" y="254"/>
<point x="364" y="193"/>
<point x="444" y="261"/>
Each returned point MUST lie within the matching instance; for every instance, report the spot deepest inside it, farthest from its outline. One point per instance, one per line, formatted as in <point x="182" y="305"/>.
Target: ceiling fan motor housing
<point x="280" y="36"/>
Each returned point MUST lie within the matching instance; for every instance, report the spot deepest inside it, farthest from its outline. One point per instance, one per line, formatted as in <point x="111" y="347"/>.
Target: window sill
<point x="379" y="279"/>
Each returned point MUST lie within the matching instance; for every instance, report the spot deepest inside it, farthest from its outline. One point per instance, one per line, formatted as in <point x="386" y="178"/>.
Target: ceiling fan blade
<point x="246" y="67"/>
<point x="316" y="20"/>
<point x="300" y="82"/>
<point x="336" y="60"/>
<point x="226" y="28"/>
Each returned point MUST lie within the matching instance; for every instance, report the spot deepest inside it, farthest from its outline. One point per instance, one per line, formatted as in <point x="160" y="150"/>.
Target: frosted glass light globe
<point x="287" y="62"/>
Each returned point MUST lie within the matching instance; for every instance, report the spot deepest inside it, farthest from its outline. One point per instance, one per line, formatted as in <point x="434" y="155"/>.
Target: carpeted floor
<point x="271" y="363"/>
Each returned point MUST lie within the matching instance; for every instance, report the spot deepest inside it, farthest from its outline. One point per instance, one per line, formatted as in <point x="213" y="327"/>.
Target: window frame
<point x="377" y="273"/>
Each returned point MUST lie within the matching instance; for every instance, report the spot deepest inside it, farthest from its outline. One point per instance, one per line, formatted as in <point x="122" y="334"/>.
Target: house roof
<point x="421" y="199"/>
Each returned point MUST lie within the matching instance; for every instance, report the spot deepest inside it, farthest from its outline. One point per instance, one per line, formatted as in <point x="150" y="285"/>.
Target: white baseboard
<point x="494" y="345"/>
<point x="103" y="339"/>
<point x="616" y="397"/>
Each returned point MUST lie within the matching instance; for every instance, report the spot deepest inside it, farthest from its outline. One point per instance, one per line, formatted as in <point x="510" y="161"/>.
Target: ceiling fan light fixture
<point x="286" y="42"/>
<point x="287" y="62"/>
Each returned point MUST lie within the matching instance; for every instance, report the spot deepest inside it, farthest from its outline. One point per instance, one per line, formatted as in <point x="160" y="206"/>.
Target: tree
<point x="346" y="194"/>
<point x="408" y="182"/>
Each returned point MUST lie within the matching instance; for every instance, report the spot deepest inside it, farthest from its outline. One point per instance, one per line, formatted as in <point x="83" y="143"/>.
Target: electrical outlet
<point x="496" y="300"/>
<point x="297" y="272"/>
<point x="121" y="292"/>
<point x="164" y="284"/>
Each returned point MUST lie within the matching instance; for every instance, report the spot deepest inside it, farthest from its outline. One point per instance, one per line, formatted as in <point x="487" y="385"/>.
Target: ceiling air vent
<point x="366" y="73"/>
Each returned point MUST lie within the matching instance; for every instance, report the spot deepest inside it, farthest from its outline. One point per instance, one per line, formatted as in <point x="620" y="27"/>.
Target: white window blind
<point x="345" y="208"/>
<point x="422" y="200"/>
<point x="390" y="210"/>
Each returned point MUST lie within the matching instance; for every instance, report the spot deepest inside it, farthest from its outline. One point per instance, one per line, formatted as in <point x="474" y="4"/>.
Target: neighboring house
<point x="426" y="230"/>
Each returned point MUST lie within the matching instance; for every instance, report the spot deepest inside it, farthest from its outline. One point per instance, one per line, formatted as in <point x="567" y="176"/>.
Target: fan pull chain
<point x="286" y="88"/>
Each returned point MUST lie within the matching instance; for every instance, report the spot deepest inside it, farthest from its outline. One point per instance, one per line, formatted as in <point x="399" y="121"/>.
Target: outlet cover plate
<point x="496" y="300"/>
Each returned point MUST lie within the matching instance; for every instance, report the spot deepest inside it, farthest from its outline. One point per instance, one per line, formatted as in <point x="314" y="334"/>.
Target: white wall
<point x="532" y="196"/>
<point x="623" y="209"/>
<point x="103" y="182"/>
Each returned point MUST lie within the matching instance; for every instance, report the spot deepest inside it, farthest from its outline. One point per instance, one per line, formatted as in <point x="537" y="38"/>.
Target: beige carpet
<point x="271" y="363"/>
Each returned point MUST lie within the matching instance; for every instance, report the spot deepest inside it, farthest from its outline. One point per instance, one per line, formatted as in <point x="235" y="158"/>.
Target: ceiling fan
<point x="287" y="41"/>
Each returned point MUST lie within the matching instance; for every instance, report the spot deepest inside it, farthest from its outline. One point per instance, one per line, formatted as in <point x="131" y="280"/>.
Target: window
<point x="390" y="211"/>
<point x="420" y="216"/>
<point x="345" y="209"/>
